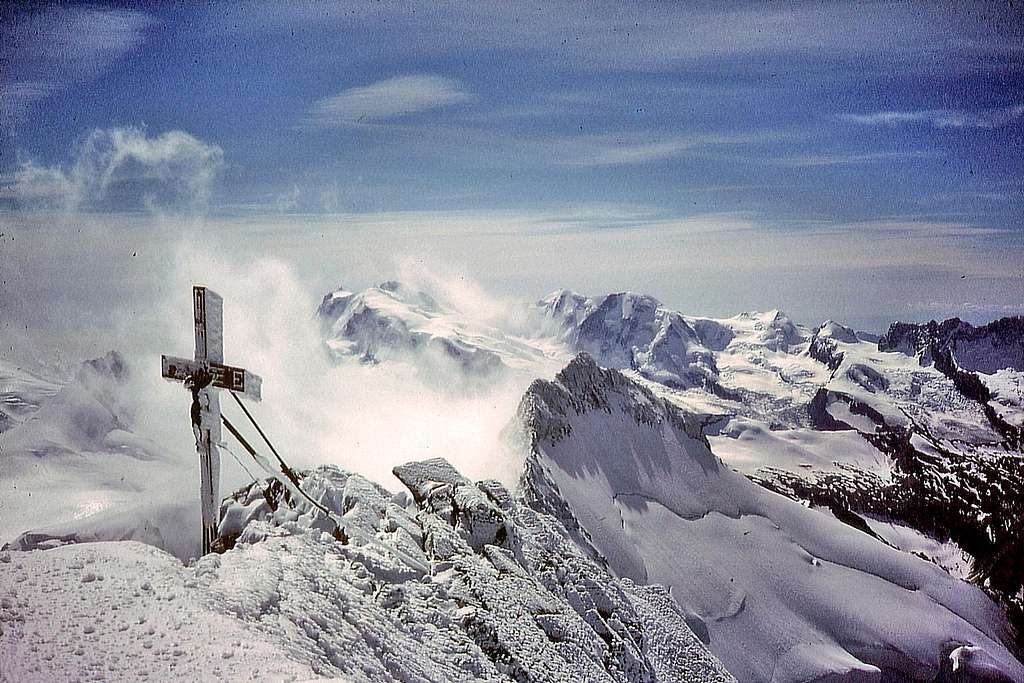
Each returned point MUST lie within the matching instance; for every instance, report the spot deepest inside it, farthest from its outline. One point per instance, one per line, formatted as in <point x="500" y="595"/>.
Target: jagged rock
<point x="823" y="347"/>
<point x="531" y="606"/>
<point x="438" y="488"/>
<point x="423" y="479"/>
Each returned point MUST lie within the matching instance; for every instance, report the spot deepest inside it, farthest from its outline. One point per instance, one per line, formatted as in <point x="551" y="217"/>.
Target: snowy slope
<point x="784" y="592"/>
<point x="1007" y="395"/>
<point x="123" y="612"/>
<point x="459" y="583"/>
<point x="667" y="471"/>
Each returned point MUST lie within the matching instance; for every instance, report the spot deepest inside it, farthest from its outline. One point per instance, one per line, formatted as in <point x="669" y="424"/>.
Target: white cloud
<point x="942" y="118"/>
<point x="81" y="32"/>
<point x="613" y="154"/>
<point x="25" y="91"/>
<point x="171" y="170"/>
<point x="387" y="99"/>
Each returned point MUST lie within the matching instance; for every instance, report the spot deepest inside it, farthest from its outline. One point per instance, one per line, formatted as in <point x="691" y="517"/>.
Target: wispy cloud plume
<point x="387" y="99"/>
<point x="941" y="118"/>
<point x="121" y="166"/>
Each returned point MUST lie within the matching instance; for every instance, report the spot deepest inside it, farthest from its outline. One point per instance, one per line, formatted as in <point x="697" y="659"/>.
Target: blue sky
<point x="852" y="160"/>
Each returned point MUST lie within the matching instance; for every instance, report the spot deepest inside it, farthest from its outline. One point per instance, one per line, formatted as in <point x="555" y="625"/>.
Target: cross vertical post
<point x="208" y="307"/>
<point x="203" y="376"/>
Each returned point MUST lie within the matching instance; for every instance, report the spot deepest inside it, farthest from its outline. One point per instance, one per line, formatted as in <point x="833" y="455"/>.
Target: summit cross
<point x="202" y="376"/>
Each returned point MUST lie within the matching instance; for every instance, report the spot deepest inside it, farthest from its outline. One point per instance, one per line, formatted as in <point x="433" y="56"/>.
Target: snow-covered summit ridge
<point x="459" y="581"/>
<point x="760" y="575"/>
<point x="637" y="332"/>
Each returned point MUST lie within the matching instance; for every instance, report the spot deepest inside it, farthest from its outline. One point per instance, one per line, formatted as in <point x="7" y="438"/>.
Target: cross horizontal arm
<point x="227" y="377"/>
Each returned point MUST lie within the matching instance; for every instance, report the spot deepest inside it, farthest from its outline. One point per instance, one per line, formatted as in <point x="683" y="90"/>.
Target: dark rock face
<point x="973" y="498"/>
<point x="986" y="349"/>
<point x="823" y="347"/>
<point x="822" y="419"/>
<point x="946" y="489"/>
<point x="712" y="334"/>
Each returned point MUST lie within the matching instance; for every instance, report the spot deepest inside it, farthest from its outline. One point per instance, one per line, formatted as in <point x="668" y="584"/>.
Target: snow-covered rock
<point x="561" y="313"/>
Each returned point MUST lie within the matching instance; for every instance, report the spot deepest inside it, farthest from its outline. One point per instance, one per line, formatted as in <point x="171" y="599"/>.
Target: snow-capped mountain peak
<point x="640" y="481"/>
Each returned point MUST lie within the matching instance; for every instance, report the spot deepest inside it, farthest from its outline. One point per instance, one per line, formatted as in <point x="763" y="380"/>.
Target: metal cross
<point x="201" y="376"/>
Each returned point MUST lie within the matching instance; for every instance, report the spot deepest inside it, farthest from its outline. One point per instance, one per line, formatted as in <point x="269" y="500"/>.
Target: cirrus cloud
<point x="942" y="118"/>
<point x="46" y="49"/>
